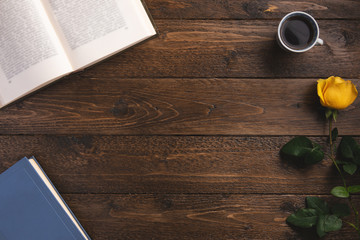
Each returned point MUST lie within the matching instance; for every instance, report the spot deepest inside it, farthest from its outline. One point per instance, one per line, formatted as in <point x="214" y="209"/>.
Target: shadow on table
<point x="283" y="64"/>
<point x="302" y="234"/>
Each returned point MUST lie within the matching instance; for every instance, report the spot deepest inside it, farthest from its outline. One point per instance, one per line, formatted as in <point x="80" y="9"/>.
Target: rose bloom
<point x="336" y="93"/>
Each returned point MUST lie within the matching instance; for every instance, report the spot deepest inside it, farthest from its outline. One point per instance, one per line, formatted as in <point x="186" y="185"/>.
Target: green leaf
<point x="317" y="146"/>
<point x="354" y="189"/>
<point x="304" y="218"/>
<point x="356" y="152"/>
<point x="340" y="192"/>
<point x="341" y="210"/>
<point x="332" y="223"/>
<point x="335" y="114"/>
<point x="345" y="148"/>
<point x="334" y="134"/>
<point x="350" y="168"/>
<point x="313" y="156"/>
<point x="302" y="150"/>
<point x="296" y="146"/>
<point x="320" y="226"/>
<point x="331" y="113"/>
<point x="328" y="113"/>
<point x="341" y="162"/>
<point x="349" y="149"/>
<point x="327" y="223"/>
<point x="318" y="204"/>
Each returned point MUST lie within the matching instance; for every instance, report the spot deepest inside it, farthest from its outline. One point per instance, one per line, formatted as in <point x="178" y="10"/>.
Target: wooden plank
<point x="230" y="48"/>
<point x="199" y="216"/>
<point x="139" y="164"/>
<point x="252" y="9"/>
<point x="176" y="107"/>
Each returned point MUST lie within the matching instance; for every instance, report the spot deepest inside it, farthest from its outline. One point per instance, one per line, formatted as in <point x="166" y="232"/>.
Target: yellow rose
<point x="336" y="93"/>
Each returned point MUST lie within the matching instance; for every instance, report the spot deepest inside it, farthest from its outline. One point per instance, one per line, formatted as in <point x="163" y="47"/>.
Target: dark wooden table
<point x="179" y="137"/>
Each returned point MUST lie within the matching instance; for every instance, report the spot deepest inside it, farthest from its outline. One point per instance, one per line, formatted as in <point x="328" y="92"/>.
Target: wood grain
<point x="82" y="105"/>
<point x="238" y="49"/>
<point x="140" y="164"/>
<point x="179" y="137"/>
<point x="199" y="216"/>
<point x="251" y="9"/>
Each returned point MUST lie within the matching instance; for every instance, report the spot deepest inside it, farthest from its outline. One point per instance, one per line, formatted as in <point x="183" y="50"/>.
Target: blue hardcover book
<point x="32" y="209"/>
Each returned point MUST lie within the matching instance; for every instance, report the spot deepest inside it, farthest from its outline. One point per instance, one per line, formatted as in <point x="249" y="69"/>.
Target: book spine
<point x="83" y="230"/>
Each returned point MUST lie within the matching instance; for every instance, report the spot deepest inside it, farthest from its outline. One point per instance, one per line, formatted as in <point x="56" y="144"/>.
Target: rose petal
<point x="340" y="94"/>
<point x="320" y="89"/>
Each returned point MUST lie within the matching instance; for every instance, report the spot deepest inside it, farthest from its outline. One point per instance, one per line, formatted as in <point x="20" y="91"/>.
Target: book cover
<point x="31" y="208"/>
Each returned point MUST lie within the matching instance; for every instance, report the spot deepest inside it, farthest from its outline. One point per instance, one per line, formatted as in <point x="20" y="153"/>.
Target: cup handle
<point x="319" y="42"/>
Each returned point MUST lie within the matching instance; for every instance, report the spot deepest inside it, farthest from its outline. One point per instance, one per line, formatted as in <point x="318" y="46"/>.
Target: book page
<point x="91" y="30"/>
<point x="30" y="54"/>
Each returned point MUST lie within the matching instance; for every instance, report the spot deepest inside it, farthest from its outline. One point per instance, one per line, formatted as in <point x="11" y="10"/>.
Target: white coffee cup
<point x="298" y="32"/>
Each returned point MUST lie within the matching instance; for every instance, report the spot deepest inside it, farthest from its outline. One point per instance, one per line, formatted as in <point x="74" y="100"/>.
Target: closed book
<point x="32" y="209"/>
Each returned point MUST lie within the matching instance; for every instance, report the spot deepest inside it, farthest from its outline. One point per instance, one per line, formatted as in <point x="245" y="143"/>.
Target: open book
<point x="43" y="40"/>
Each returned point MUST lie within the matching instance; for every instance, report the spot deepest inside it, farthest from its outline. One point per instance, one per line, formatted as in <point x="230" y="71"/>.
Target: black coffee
<point x="297" y="32"/>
